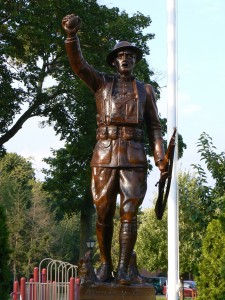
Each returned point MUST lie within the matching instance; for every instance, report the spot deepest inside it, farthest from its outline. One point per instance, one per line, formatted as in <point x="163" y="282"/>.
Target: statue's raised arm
<point x="93" y="79"/>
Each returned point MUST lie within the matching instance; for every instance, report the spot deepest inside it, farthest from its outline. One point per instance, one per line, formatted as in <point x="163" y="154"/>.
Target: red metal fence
<point x="57" y="281"/>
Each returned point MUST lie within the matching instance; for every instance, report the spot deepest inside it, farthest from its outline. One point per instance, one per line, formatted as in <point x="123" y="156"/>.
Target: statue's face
<point x="125" y="62"/>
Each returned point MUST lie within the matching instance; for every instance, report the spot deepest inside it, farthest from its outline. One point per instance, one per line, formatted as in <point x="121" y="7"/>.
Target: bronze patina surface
<point x="117" y="292"/>
<point x="119" y="166"/>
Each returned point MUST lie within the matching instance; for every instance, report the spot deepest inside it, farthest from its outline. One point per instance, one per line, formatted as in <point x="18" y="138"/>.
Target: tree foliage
<point x="4" y="256"/>
<point x="152" y="235"/>
<point x="200" y="203"/>
<point x="37" y="71"/>
<point x="215" y="163"/>
<point x="33" y="232"/>
<point x="193" y="221"/>
<point x="212" y="271"/>
<point x="38" y="81"/>
<point x="197" y="208"/>
<point x="151" y="246"/>
<point x="22" y="199"/>
<point x="32" y="53"/>
<point x="66" y="244"/>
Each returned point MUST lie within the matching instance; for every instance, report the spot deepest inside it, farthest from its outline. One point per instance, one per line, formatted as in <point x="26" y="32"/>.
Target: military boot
<point x="128" y="236"/>
<point x="104" y="236"/>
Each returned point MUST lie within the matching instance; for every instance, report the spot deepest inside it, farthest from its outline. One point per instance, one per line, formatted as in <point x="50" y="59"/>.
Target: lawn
<point x="163" y="298"/>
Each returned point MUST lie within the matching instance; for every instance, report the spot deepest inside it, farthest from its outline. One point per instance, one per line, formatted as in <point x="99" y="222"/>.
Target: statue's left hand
<point x="161" y="166"/>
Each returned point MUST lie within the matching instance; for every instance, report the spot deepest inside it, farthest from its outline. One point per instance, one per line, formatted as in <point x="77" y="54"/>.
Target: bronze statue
<point x="85" y="269"/>
<point x="119" y="164"/>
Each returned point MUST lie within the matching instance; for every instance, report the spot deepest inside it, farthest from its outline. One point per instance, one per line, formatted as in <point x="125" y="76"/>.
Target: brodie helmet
<point x="120" y="46"/>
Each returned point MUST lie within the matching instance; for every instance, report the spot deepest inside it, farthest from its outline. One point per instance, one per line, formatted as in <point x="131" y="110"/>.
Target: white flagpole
<point x="173" y="249"/>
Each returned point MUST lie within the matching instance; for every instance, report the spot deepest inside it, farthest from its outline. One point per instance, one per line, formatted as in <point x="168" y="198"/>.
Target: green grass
<point x="163" y="298"/>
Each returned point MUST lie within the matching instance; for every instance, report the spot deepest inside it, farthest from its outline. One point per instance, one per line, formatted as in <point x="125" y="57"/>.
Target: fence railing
<point x="52" y="280"/>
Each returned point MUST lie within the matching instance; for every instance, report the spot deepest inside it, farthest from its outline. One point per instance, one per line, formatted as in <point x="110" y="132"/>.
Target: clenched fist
<point x="71" y="24"/>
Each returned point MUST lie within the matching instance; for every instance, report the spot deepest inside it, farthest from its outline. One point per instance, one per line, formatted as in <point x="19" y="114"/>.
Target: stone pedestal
<point x="117" y="292"/>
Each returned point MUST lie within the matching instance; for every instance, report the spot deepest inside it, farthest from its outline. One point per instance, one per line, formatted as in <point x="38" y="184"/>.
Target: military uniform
<point x="119" y="164"/>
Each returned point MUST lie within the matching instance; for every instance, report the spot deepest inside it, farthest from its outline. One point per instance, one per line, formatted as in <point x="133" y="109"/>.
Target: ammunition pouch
<point x="124" y="132"/>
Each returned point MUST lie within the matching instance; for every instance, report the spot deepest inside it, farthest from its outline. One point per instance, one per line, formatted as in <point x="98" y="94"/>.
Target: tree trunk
<point x="86" y="222"/>
<point x="85" y="232"/>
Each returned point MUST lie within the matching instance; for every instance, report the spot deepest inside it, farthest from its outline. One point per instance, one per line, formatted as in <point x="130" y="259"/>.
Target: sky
<point x="201" y="81"/>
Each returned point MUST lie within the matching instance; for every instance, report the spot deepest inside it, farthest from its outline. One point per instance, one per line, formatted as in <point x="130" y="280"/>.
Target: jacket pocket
<point x="102" y="152"/>
<point x="102" y="133"/>
<point x="136" y="153"/>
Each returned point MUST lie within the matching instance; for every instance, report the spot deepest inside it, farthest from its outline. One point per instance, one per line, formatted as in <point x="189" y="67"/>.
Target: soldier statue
<point x="119" y="164"/>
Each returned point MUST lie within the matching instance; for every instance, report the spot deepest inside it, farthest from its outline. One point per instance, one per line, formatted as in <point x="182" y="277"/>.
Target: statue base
<point x="117" y="292"/>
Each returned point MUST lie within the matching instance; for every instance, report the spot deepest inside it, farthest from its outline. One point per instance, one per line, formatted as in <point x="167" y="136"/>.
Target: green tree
<point x="16" y="167"/>
<point x="4" y="257"/>
<point x="198" y="206"/>
<point x="192" y="221"/>
<point x="32" y="52"/>
<point x="28" y="218"/>
<point x="16" y="175"/>
<point x="18" y="230"/>
<point x="37" y="80"/>
<point x="151" y="246"/>
<point x="68" y="181"/>
<point x="152" y="235"/>
<point x="66" y="233"/>
<point x="211" y="268"/>
<point x="215" y="163"/>
<point x="40" y="229"/>
<point x="200" y="203"/>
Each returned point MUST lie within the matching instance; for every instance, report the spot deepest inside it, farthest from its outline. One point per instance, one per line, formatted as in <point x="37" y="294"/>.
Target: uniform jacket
<point x="120" y="117"/>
